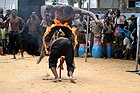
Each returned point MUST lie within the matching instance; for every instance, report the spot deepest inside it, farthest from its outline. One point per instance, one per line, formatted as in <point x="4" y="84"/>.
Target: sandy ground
<point x="95" y="76"/>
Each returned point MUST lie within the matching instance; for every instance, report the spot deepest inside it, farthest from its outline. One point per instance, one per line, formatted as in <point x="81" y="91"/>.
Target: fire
<point x="58" y="23"/>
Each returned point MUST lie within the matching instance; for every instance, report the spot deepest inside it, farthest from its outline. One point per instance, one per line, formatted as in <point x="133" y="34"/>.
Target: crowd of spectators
<point x="113" y="29"/>
<point x="4" y="39"/>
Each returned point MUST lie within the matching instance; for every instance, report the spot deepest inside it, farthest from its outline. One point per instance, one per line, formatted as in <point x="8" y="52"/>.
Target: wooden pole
<point x="138" y="40"/>
<point x="5" y="5"/>
<point x="88" y="6"/>
<point x="137" y="51"/>
<point x="62" y="59"/>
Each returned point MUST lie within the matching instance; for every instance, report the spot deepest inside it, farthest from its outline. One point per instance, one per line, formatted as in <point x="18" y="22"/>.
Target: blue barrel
<point x="108" y="50"/>
<point x="97" y="50"/>
<point x="81" y="49"/>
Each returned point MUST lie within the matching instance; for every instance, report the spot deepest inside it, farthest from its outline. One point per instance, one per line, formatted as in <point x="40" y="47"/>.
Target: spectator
<point x="119" y="20"/>
<point x="118" y="47"/>
<point x="8" y="12"/>
<point x="4" y="39"/>
<point x="80" y="23"/>
<point x="126" y="47"/>
<point x="107" y="35"/>
<point x="15" y="26"/>
<point x="1" y="23"/>
<point x="1" y="13"/>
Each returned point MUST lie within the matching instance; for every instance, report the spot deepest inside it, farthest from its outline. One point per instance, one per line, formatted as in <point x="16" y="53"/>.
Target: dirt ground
<point x="98" y="75"/>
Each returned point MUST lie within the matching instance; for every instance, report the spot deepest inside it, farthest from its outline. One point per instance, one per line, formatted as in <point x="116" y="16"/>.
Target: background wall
<point x="108" y="3"/>
<point x="26" y="7"/>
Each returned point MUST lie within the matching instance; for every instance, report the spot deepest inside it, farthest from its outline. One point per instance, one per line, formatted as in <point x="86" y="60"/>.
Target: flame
<point x="58" y="23"/>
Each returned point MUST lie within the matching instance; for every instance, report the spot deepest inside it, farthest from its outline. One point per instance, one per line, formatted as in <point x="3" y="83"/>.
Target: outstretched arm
<point x="85" y="12"/>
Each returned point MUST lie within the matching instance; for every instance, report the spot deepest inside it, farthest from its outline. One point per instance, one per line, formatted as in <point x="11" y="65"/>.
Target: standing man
<point x="60" y="17"/>
<point x="15" y="26"/>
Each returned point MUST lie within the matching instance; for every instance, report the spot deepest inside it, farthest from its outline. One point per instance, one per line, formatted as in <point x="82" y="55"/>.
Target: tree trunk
<point x="80" y="4"/>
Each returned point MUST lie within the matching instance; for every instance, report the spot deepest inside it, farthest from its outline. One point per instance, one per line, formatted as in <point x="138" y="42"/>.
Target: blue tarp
<point x="126" y="32"/>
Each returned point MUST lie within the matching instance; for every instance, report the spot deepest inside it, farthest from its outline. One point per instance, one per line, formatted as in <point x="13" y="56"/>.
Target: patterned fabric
<point x="3" y="33"/>
<point x="58" y="23"/>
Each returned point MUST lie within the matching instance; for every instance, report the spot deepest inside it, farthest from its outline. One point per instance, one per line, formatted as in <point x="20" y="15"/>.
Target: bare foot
<point x="14" y="58"/>
<point x="38" y="61"/>
<point x="22" y="57"/>
<point x="72" y="80"/>
<point x="60" y="79"/>
<point x="46" y="76"/>
<point x="56" y="80"/>
<point x="40" y="58"/>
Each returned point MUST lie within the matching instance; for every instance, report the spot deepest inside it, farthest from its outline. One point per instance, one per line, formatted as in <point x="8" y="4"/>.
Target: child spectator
<point x="126" y="48"/>
<point x="4" y="39"/>
<point x="1" y="21"/>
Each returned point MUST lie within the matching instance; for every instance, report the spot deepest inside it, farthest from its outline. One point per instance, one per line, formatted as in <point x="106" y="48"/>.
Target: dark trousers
<point x="4" y="45"/>
<point x="118" y="53"/>
<point x="15" y="41"/>
<point x="62" y="47"/>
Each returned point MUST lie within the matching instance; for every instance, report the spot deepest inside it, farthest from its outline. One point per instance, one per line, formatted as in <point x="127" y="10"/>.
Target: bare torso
<point x="63" y="13"/>
<point x="33" y="24"/>
<point x="14" y="24"/>
<point x="62" y="16"/>
<point x="57" y="12"/>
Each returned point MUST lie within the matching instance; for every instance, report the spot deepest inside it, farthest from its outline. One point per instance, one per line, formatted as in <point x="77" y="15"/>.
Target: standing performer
<point x="56" y="17"/>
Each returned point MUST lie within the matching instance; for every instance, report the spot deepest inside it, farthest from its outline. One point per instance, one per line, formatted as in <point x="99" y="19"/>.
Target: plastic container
<point x="109" y="50"/>
<point x="97" y="50"/>
<point x="81" y="49"/>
